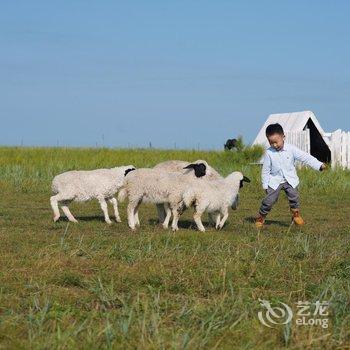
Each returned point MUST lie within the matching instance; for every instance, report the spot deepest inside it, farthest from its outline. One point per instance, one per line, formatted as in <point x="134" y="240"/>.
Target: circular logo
<point x="274" y="315"/>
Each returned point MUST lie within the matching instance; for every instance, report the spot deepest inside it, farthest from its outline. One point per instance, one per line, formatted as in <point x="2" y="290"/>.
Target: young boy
<point x="279" y="173"/>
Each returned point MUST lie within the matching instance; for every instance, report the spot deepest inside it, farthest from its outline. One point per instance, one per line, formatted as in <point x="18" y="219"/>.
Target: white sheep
<point x="214" y="197"/>
<point x="159" y="187"/>
<point x="188" y="169"/>
<point x="81" y="186"/>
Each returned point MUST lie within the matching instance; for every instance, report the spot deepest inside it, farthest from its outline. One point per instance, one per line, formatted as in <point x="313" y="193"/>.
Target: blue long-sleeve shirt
<point x="279" y="166"/>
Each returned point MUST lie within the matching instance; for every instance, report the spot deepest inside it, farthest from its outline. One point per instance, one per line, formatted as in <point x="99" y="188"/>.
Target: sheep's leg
<point x="136" y="214"/>
<point x="197" y="219"/>
<point x="114" y="202"/>
<point x="68" y="213"/>
<point x="104" y="208"/>
<point x="224" y="218"/>
<point x="131" y="212"/>
<point x="181" y="208"/>
<point x="176" y="215"/>
<point x="161" y="212"/>
<point x="211" y="219"/>
<point x="217" y="221"/>
<point x="54" y="205"/>
<point x="214" y="219"/>
<point x="168" y="215"/>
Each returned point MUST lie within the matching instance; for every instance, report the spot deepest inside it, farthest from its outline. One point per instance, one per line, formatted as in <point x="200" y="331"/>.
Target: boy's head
<point x="275" y="136"/>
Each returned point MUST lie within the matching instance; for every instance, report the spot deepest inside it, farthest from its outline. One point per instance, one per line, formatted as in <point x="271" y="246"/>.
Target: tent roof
<point x="295" y="121"/>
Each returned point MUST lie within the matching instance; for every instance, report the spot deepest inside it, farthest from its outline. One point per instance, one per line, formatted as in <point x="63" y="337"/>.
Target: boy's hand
<point x="323" y="167"/>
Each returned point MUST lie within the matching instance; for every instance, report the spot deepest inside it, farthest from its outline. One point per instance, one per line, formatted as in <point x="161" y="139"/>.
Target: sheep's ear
<point x="199" y="169"/>
<point x="189" y="166"/>
<point x="127" y="171"/>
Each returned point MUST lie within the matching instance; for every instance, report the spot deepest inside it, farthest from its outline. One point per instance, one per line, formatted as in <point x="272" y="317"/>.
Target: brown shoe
<point x="298" y="220"/>
<point x="259" y="221"/>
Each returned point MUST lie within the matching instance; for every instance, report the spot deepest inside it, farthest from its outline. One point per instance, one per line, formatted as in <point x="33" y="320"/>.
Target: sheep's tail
<point x="122" y="194"/>
<point x="189" y="198"/>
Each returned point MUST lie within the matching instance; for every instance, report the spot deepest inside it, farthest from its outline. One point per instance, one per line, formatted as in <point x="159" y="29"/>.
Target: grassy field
<point x="90" y="285"/>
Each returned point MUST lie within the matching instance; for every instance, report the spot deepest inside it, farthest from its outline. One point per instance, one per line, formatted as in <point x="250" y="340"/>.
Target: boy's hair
<point x="274" y="129"/>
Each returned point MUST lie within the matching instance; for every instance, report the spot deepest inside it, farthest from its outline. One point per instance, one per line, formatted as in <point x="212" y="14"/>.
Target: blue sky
<point x="190" y="73"/>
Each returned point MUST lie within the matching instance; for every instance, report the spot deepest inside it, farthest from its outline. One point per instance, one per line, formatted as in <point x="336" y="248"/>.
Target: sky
<point x="184" y="74"/>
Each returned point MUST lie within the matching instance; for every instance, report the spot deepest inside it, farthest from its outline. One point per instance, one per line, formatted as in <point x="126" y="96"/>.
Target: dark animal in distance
<point x="230" y="144"/>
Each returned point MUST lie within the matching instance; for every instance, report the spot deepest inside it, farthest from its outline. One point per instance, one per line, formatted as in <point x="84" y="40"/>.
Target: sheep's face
<point x="128" y="169"/>
<point x="199" y="169"/>
<point x="236" y="179"/>
<point x="245" y="179"/>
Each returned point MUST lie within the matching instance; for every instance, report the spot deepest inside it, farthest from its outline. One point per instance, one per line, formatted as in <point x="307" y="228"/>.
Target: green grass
<point x="90" y="285"/>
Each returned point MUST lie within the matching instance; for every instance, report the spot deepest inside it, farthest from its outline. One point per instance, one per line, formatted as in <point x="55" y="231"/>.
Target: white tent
<point x="301" y="129"/>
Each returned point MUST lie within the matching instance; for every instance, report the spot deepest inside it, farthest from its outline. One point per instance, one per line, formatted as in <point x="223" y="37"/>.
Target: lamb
<point x="82" y="186"/>
<point x="204" y="169"/>
<point x="159" y="187"/>
<point x="214" y="197"/>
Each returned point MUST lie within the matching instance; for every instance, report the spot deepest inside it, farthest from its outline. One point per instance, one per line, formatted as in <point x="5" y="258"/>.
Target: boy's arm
<point x="265" y="172"/>
<point x="307" y="159"/>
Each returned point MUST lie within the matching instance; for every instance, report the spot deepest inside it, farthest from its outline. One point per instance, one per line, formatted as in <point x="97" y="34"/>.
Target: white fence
<point x="339" y="142"/>
<point x="301" y="139"/>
